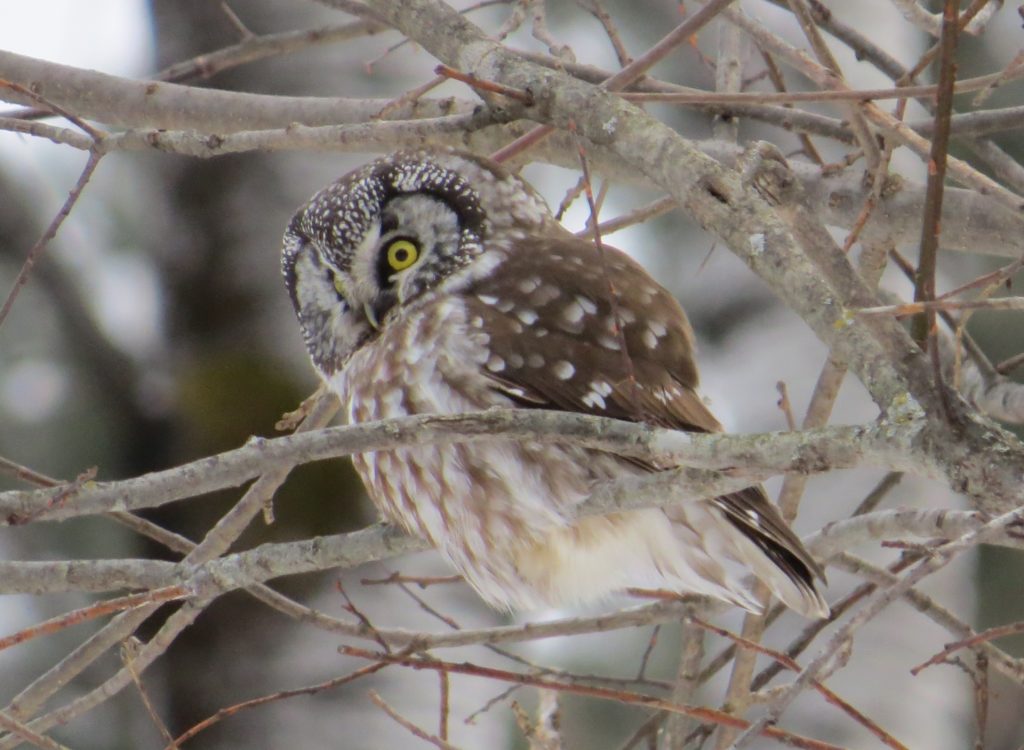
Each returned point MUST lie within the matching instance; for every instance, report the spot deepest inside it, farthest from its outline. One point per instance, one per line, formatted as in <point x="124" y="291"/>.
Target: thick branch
<point x="203" y="122"/>
<point x="749" y="457"/>
<point x="125" y="103"/>
<point x="379" y="542"/>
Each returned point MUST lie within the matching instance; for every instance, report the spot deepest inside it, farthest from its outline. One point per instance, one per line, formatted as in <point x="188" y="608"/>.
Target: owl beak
<point x="371" y="315"/>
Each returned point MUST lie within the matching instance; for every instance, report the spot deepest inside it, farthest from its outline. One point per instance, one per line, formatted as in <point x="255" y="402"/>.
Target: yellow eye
<point x="402" y="254"/>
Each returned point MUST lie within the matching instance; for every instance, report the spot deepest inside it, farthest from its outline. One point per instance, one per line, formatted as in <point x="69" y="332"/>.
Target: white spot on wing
<point x="545" y="294"/>
<point x="563" y="370"/>
<point x="487" y="299"/>
<point x="573" y="312"/>
<point x="587" y="304"/>
<point x="495" y="363"/>
<point x="594" y="400"/>
<point x="515" y="360"/>
<point x="529" y="317"/>
<point x="535" y="360"/>
<point x="528" y="285"/>
<point x="650" y="340"/>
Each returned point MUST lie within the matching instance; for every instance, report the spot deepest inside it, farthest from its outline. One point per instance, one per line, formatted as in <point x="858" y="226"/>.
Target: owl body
<point x="437" y="283"/>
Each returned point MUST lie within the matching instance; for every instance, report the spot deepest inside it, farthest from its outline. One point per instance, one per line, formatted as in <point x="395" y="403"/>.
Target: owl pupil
<point x="402" y="255"/>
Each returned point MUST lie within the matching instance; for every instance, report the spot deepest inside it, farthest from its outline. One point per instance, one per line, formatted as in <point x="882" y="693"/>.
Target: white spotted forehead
<point x="507" y="199"/>
<point x="342" y="212"/>
<point x="408" y="177"/>
<point x="340" y="215"/>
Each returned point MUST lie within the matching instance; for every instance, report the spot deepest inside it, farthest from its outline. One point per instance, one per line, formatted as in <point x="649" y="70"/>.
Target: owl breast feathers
<point x="435" y="282"/>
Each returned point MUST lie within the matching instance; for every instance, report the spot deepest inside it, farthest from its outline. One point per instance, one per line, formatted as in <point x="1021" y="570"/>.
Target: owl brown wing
<point x="556" y="343"/>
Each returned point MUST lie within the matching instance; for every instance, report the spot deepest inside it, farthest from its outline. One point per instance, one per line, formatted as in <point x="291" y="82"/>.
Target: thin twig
<point x="875" y="603"/>
<point x="85" y="614"/>
<point x="916" y="308"/>
<point x="638" y="699"/>
<point x="20" y="730"/>
<point x="991" y="634"/>
<point x="37" y="249"/>
<point x="788" y="663"/>
<point x="630" y="73"/>
<point x="613" y="293"/>
<point x="224" y="713"/>
<point x="924" y="326"/>
<point x="404" y="722"/>
<point x="445" y="708"/>
<point x="129" y="649"/>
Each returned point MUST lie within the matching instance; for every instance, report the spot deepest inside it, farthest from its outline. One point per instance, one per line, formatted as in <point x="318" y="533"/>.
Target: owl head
<point x="381" y="237"/>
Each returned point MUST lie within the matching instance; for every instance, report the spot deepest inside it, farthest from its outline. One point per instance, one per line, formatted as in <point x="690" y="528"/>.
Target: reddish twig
<point x="409" y="97"/>
<point x="26" y="733"/>
<point x="785" y="405"/>
<point x="55" y="624"/>
<point x="243" y="31"/>
<point x="628" y="74"/>
<point x="402" y="721"/>
<point x="18" y="471"/>
<point x="986" y="635"/>
<point x="481" y="85"/>
<point x="981" y="693"/>
<point x="91" y="163"/>
<point x="924" y="327"/>
<point x="61" y="496"/>
<point x="36" y="250"/>
<point x="492" y="702"/>
<point x="280" y="695"/>
<point x="651" y="643"/>
<point x="636" y="216"/>
<point x="368" y="626"/>
<point x="991" y="280"/>
<point x="598" y="11"/>
<point x="900" y="93"/>
<point x="613" y="293"/>
<point x="916" y="308"/>
<point x="907" y="268"/>
<point x="421" y="581"/>
<point x="779" y="82"/>
<point x="1010" y="364"/>
<point x="620" y="696"/>
<point x="789" y="663"/>
<point x="814" y="629"/>
<point x="442" y="728"/>
<point x="56" y="109"/>
<point x="129" y="649"/>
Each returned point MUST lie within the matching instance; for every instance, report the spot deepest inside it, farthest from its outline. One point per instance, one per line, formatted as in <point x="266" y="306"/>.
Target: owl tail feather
<point x="790" y="583"/>
<point x="772" y="552"/>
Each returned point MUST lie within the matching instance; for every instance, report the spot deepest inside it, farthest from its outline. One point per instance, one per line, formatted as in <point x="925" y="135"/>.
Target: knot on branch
<point x="765" y="169"/>
<point x="206" y="581"/>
